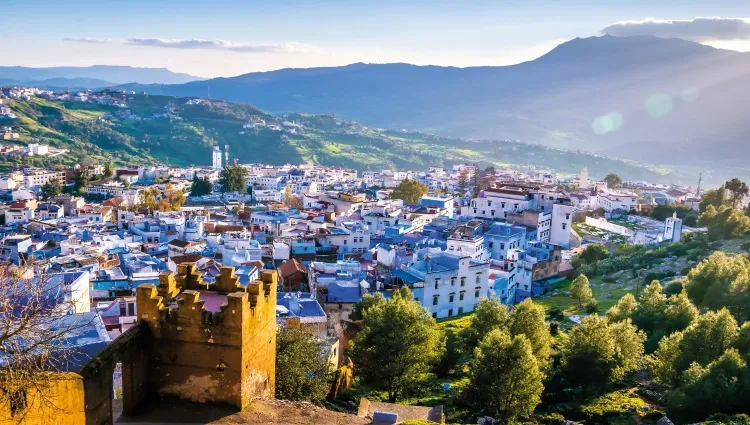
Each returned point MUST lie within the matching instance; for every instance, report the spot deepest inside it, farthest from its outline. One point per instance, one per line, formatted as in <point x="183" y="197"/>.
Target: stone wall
<point x="226" y="356"/>
<point x="56" y="400"/>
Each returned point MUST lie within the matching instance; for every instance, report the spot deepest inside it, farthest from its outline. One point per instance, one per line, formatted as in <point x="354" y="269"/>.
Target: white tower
<point x="673" y="229"/>
<point x="216" y="158"/>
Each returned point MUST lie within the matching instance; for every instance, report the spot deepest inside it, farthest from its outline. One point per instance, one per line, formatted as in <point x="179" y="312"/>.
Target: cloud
<point x="197" y="43"/>
<point x="701" y="29"/>
<point x="88" y="40"/>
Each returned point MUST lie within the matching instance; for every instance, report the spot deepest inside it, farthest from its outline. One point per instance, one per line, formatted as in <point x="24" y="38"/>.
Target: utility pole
<point x="700" y="179"/>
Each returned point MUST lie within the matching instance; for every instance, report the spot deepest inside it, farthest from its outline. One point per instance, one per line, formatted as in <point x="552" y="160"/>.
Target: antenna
<point x="700" y="179"/>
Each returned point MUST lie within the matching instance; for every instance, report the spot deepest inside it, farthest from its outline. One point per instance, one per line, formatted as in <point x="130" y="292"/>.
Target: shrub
<point x="555" y="313"/>
<point x="674" y="287"/>
<point x="552" y="419"/>
<point x="554" y="328"/>
<point x="592" y="307"/>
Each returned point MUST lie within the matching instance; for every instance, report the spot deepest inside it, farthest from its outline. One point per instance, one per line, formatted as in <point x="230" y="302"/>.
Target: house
<point x="49" y="211"/>
<point x="293" y="275"/>
<point x="179" y="247"/>
<point x="301" y="311"/>
<point x="446" y="284"/>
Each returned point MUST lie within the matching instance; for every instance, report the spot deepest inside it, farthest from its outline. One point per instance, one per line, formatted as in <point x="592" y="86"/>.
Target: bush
<point x="652" y="276"/>
<point x="673" y="288"/>
<point x="554" y="328"/>
<point x="555" y="313"/>
<point x="592" y="307"/>
<point x="746" y="246"/>
<point x="552" y="419"/>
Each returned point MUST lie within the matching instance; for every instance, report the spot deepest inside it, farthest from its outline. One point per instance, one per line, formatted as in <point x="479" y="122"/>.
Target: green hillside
<point x="148" y="132"/>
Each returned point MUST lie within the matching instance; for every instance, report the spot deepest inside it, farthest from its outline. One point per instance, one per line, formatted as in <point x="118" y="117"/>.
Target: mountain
<point x="183" y="131"/>
<point x="593" y="94"/>
<point x="113" y="75"/>
<point x="60" y="84"/>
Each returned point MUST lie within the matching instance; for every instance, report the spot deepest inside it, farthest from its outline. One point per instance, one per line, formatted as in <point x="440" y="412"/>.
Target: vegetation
<point x="51" y="189"/>
<point x="506" y="380"/>
<point x="580" y="291"/>
<point x="405" y="334"/>
<point x="187" y="136"/>
<point x="301" y="372"/>
<point x="200" y="186"/>
<point x="613" y="180"/>
<point x="409" y="191"/>
<point x="232" y="178"/>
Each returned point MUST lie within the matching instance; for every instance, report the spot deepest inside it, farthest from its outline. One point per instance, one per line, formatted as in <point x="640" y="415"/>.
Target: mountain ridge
<point x="554" y="100"/>
<point x="113" y="74"/>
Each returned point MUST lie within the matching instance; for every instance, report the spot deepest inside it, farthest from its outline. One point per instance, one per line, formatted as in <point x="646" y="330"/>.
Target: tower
<point x="226" y="154"/>
<point x="673" y="229"/>
<point x="216" y="158"/>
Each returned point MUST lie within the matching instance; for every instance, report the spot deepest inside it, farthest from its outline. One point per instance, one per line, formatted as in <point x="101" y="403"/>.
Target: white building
<point x="673" y="229"/>
<point x="216" y="159"/>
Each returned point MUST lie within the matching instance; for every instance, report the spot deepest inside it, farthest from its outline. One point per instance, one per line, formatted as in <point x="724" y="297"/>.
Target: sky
<point x="225" y="37"/>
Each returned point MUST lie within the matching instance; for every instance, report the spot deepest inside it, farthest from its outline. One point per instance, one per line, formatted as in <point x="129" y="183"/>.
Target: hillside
<point x="93" y="76"/>
<point x="146" y="132"/>
<point x="663" y="101"/>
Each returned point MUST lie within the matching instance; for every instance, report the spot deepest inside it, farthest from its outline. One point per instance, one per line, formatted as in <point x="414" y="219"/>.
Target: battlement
<point x="177" y="297"/>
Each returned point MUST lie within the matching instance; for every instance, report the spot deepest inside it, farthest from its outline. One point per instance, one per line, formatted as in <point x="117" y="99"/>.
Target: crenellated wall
<point x="227" y="356"/>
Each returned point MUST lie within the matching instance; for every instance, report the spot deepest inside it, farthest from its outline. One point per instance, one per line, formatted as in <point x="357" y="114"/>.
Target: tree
<point x="679" y="314"/>
<point x="720" y="387"/>
<point x="505" y="381"/>
<point x="716" y="198"/>
<point x="725" y="222"/>
<point x="623" y="310"/>
<point x="80" y="180"/>
<point x="200" y="186"/>
<point x="613" y="180"/>
<point x="396" y="346"/>
<point x="301" y="370"/>
<point x="702" y="342"/>
<point x="651" y="304"/>
<point x="590" y="255"/>
<point x="172" y="199"/>
<point x="606" y="352"/>
<point x="365" y="303"/>
<point x="528" y="319"/>
<point x="52" y="188"/>
<point x="36" y="326"/>
<point x="721" y="280"/>
<point x="580" y="291"/>
<point x="463" y="180"/>
<point x="409" y="191"/>
<point x="108" y="171"/>
<point x="232" y="178"/>
<point x="291" y="200"/>
<point x="737" y="191"/>
<point x="148" y="199"/>
<point x="489" y="314"/>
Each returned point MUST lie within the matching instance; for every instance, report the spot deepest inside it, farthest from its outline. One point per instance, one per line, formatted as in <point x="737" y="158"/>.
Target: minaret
<point x="226" y="154"/>
<point x="216" y="158"/>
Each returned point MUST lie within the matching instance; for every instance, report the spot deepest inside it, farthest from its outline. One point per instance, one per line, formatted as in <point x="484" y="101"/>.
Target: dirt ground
<point x="261" y="412"/>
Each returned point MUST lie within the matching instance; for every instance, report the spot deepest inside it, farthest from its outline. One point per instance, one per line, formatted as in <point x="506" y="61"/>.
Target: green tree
<point x="623" y="310"/>
<point x="720" y="387"/>
<point x="52" y="188"/>
<point x="613" y="180"/>
<point x="721" y="280"/>
<point x="200" y="186"/>
<point x="528" y="319"/>
<point x="598" y="352"/>
<point x="108" y="171"/>
<point x="580" y="291"/>
<point x="396" y="346"/>
<point x="365" y="303"/>
<point x="707" y="337"/>
<point x="725" y="222"/>
<point x="489" y="314"/>
<point x="80" y="180"/>
<point x="737" y="191"/>
<point x="301" y="370"/>
<point x="409" y="191"/>
<point x="463" y="180"/>
<point x="651" y="304"/>
<point x="232" y="178"/>
<point x="590" y="255"/>
<point x="716" y="198"/>
<point x="505" y="379"/>
<point x="679" y="314"/>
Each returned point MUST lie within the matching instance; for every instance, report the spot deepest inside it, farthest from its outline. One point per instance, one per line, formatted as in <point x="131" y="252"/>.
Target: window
<point x="450" y="312"/>
<point x="461" y="296"/>
<point x="434" y="315"/>
<point x="460" y="311"/>
<point x="476" y="293"/>
<point x="489" y="202"/>
<point x="463" y="281"/>
<point x="564" y="225"/>
<point x="493" y="212"/>
<point x="435" y="300"/>
<point x="451" y="297"/>
<point x="478" y="279"/>
<point x="490" y="244"/>
<point x="453" y="281"/>
<point x="437" y="282"/>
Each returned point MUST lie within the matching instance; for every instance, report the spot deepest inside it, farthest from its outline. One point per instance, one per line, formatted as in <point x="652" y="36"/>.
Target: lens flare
<point x="607" y="123"/>
<point x="690" y="94"/>
<point x="659" y="104"/>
